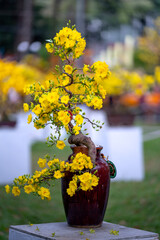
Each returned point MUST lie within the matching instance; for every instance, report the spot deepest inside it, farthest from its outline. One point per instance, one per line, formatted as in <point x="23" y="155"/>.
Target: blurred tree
<point x="8" y="19"/>
<point x="114" y="13"/>
<point x="24" y="23"/>
<point x="147" y="54"/>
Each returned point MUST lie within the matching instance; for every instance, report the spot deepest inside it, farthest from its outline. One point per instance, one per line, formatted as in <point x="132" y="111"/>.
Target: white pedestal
<point x="15" y="148"/>
<point x="123" y="145"/>
<point x="64" y="232"/>
<point x="125" y="149"/>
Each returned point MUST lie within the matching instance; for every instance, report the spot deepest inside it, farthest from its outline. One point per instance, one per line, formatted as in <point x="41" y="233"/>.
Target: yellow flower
<point x="49" y="47"/>
<point x="78" y="119"/>
<point x="44" y="193"/>
<point x="85" y="69"/>
<point x="72" y="187"/>
<point x="37" y="174"/>
<point x="57" y="174"/>
<point x="97" y="103"/>
<point x="60" y="144"/>
<point x="68" y="69"/>
<point x="29" y="188"/>
<point x="29" y="118"/>
<point x="94" y="180"/>
<point x="16" y="191"/>
<point x="65" y="99"/>
<point x="25" y="107"/>
<point x="7" y="188"/>
<point x="37" y="109"/>
<point x="41" y="162"/>
<point x="76" y="129"/>
<point x="64" y="117"/>
<point x="53" y="97"/>
<point x="30" y="181"/>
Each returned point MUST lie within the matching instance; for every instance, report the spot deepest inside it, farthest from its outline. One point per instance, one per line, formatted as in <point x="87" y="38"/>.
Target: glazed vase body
<point x="87" y="208"/>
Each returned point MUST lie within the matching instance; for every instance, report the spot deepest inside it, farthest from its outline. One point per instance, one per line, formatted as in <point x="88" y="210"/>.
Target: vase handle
<point x="112" y="167"/>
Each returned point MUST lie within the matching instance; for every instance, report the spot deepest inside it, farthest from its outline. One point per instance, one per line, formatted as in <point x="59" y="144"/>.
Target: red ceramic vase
<point x="87" y="208"/>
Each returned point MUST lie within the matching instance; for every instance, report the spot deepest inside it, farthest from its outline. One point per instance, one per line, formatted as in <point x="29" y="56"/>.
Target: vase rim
<point x="97" y="146"/>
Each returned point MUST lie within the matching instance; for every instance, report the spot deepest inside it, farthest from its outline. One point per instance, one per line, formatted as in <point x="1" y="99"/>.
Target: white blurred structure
<point x="118" y="53"/>
<point x="15" y="148"/>
<point x="123" y="145"/>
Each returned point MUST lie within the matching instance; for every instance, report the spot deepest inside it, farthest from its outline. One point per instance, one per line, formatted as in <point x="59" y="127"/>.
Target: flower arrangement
<point x="57" y="102"/>
<point x="126" y="89"/>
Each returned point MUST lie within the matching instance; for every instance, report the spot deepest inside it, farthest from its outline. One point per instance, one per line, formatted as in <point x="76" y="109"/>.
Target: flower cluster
<point x="68" y="42"/>
<point x="57" y="102"/>
<point x="16" y="76"/>
<point x="55" y="169"/>
<point x="13" y="78"/>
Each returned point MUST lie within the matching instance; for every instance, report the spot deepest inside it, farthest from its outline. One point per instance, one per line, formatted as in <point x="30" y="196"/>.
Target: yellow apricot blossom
<point x="37" y="109"/>
<point x="44" y="193"/>
<point x="65" y="99"/>
<point x="78" y="119"/>
<point x="60" y="144"/>
<point x="29" y="118"/>
<point x="49" y="47"/>
<point x="29" y="188"/>
<point x="57" y="174"/>
<point x="25" y="107"/>
<point x="16" y="191"/>
<point x="68" y="69"/>
<point x="42" y="162"/>
<point x="7" y="188"/>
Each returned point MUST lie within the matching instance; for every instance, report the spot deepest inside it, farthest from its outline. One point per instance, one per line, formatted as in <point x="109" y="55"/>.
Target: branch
<point x="81" y="139"/>
<point x="92" y="122"/>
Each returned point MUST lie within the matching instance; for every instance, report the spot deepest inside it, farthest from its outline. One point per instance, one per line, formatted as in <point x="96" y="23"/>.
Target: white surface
<point x="125" y="149"/>
<point x="15" y="148"/>
<point x="64" y="232"/>
<point x="123" y="145"/>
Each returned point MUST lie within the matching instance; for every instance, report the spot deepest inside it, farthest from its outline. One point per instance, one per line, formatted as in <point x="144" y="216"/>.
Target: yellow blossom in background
<point x="25" y="107"/>
<point x="60" y="144"/>
<point x="16" y="191"/>
<point x="7" y="188"/>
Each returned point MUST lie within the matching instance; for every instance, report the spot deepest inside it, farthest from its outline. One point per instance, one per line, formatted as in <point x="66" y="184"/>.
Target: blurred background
<point x="126" y="35"/>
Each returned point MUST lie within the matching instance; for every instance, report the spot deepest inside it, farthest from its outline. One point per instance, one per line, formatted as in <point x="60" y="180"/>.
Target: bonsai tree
<point x="57" y="102"/>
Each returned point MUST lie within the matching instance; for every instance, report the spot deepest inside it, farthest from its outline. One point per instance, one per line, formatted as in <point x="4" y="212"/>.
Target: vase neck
<point x="84" y="150"/>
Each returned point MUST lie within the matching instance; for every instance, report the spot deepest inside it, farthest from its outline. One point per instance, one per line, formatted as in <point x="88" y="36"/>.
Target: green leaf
<point x="92" y="230"/>
<point x="114" y="232"/>
<point x="37" y="229"/>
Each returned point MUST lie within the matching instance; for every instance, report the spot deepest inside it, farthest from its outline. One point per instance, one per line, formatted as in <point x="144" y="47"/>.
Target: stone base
<point x="61" y="231"/>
